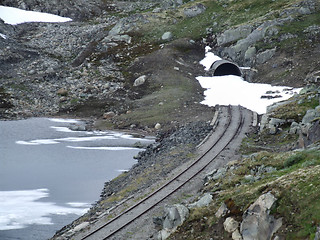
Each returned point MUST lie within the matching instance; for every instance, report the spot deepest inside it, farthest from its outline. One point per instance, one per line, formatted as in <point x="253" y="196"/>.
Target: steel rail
<point x="240" y="123"/>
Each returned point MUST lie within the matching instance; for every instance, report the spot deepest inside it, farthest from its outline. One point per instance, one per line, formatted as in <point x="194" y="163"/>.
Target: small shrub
<point x="294" y="159"/>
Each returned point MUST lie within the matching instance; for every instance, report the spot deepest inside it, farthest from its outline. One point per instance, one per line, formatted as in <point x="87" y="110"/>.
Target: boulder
<point x="167" y="36"/>
<point x="304" y="11"/>
<point x="274" y="123"/>
<point x="237" y="51"/>
<point x="157" y="126"/>
<point x="123" y="26"/>
<point x="232" y="35"/>
<point x="230" y="225"/>
<point x="313" y="134"/>
<point x="81" y="226"/>
<point x="194" y="10"/>
<point x="174" y="216"/>
<point x="117" y="38"/>
<point x="265" y="56"/>
<point x="236" y="235"/>
<point x="264" y="121"/>
<point x="204" y="201"/>
<point x="294" y="128"/>
<point x="250" y="54"/>
<point x="257" y="222"/>
<point x="140" y="80"/>
<point x="222" y="211"/>
<point x="108" y="115"/>
<point x="311" y="115"/>
<point x="215" y="174"/>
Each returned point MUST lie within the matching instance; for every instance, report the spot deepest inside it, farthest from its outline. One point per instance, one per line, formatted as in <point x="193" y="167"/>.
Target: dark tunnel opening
<point x="223" y="68"/>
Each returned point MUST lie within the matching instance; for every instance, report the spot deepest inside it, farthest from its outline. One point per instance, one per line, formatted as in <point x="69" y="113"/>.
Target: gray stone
<point x="265" y="56"/>
<point x="230" y="225"/>
<point x="237" y="51"/>
<point x="123" y="26"/>
<point x="157" y="126"/>
<point x="140" y="80"/>
<point x="257" y="222"/>
<point x="174" y="216"/>
<point x="167" y="36"/>
<point x="304" y="11"/>
<point x="236" y="235"/>
<point x="276" y="122"/>
<point x="204" y="201"/>
<point x="157" y="10"/>
<point x="311" y="115"/>
<point x="294" y="128"/>
<point x="108" y="115"/>
<point x="194" y="10"/>
<point x="249" y="178"/>
<point x="222" y="211"/>
<point x="264" y="121"/>
<point x="215" y="174"/>
<point x="232" y="35"/>
<point x="250" y="54"/>
<point x="117" y="38"/>
<point x="81" y="226"/>
<point x="164" y="234"/>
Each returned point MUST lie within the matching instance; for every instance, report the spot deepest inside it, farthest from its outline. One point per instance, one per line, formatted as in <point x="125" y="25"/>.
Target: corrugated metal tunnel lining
<point x="223" y="67"/>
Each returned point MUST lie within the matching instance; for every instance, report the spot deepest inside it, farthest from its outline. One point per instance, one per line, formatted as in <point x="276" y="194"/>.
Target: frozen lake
<point x="49" y="174"/>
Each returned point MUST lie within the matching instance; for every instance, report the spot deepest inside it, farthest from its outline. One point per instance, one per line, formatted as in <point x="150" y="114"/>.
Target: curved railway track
<point x="227" y="130"/>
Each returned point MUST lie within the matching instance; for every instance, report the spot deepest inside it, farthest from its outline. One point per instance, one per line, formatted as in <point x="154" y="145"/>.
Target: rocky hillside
<point x="132" y="65"/>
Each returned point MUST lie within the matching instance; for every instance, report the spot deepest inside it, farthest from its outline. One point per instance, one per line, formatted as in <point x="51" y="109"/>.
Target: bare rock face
<point x="257" y="222"/>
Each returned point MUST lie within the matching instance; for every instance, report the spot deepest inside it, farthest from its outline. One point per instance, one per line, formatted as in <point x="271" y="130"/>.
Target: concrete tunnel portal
<point x="223" y="68"/>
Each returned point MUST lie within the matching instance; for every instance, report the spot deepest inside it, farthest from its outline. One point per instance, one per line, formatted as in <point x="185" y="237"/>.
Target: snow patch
<point x="105" y="148"/>
<point x="234" y="90"/>
<point x="62" y="120"/>
<point x="18" y="209"/>
<point x="14" y="16"/>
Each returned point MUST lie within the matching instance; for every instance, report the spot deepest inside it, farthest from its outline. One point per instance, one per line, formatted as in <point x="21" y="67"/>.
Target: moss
<point x="298" y="38"/>
<point x="297" y="108"/>
<point x="298" y="205"/>
<point x="303" y="159"/>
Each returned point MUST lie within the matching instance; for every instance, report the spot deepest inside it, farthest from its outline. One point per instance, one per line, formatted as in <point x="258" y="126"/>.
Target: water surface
<point x="49" y="174"/>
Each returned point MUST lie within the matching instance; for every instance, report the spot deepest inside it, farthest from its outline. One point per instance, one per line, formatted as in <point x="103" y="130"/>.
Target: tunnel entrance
<point x="223" y="67"/>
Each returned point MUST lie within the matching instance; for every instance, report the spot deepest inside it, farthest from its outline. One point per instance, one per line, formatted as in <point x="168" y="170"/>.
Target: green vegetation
<point x="297" y="108"/>
<point x="294" y="181"/>
<point x="295" y="32"/>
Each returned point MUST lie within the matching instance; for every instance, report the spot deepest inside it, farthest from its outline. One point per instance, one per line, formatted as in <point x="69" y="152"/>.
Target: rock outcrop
<point x="174" y="216"/>
<point x="257" y="222"/>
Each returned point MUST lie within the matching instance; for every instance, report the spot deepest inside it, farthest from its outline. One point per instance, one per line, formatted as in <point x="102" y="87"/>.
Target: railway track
<point x="228" y="128"/>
